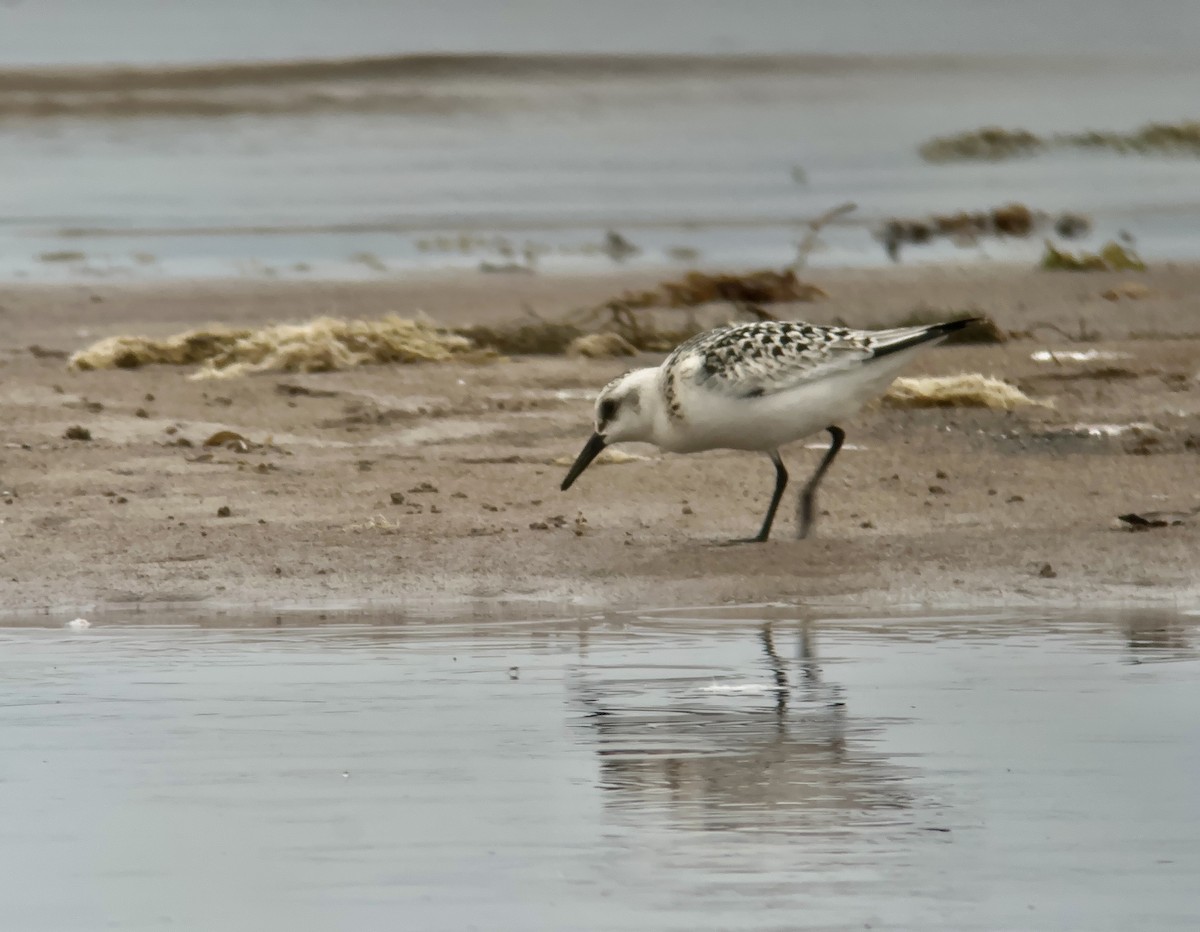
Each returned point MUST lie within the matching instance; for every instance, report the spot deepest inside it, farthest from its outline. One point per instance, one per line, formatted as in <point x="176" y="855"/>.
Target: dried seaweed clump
<point x="614" y="329"/>
<point x="601" y="345"/>
<point x="1153" y="138"/>
<point x="765" y="286"/>
<point x="535" y="338"/>
<point x="994" y="142"/>
<point x="965" y="390"/>
<point x="321" y="345"/>
<point x="747" y="292"/>
<point x="1111" y="258"/>
<point x="182" y="349"/>
<point x="967" y="227"/>
<point x="989" y="143"/>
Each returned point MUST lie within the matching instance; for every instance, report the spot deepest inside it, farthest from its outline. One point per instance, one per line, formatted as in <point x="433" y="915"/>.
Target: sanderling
<point x="756" y="386"/>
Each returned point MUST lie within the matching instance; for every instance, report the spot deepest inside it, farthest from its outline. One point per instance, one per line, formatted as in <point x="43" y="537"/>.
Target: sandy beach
<point x="430" y="484"/>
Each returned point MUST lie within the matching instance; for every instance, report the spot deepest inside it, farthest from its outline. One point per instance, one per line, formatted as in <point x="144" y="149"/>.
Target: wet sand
<point x="938" y="507"/>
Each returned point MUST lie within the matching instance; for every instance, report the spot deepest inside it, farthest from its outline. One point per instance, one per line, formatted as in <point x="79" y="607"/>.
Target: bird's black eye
<point x="607" y="410"/>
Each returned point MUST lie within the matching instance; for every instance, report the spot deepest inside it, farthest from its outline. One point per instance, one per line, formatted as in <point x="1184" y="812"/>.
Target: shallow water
<point x="749" y="769"/>
<point x="303" y="173"/>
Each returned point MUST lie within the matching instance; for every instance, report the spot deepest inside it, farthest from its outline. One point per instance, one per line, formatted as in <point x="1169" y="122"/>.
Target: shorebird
<point x="756" y="386"/>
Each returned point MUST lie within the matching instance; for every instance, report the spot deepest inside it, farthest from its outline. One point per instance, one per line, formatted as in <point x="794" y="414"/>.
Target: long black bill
<point x="590" y="451"/>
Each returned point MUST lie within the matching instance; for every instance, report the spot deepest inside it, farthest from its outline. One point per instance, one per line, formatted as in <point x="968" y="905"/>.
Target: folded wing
<point x="764" y="357"/>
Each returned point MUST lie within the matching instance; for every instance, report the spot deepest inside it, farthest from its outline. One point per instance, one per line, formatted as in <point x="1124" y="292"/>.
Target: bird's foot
<point x="738" y="541"/>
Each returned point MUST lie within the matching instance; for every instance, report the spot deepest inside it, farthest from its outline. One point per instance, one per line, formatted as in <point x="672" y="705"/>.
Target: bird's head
<point x="624" y="411"/>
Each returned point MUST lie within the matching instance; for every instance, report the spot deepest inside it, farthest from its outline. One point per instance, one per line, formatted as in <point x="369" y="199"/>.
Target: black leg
<point x="781" y="481"/>
<point x="804" y="508"/>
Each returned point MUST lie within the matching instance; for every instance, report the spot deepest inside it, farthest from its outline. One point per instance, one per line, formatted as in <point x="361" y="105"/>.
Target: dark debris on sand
<point x="968" y="227"/>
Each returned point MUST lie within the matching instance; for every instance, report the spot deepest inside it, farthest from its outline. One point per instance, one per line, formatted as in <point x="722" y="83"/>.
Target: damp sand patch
<point x="607" y="458"/>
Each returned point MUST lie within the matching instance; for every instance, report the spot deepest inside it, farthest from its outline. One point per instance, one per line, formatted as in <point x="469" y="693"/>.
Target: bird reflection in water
<point x="779" y="756"/>
<point x="1157" y="635"/>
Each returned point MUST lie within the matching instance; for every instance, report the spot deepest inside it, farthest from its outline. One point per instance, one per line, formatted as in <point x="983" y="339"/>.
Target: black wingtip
<point x="930" y="333"/>
<point x="951" y="325"/>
